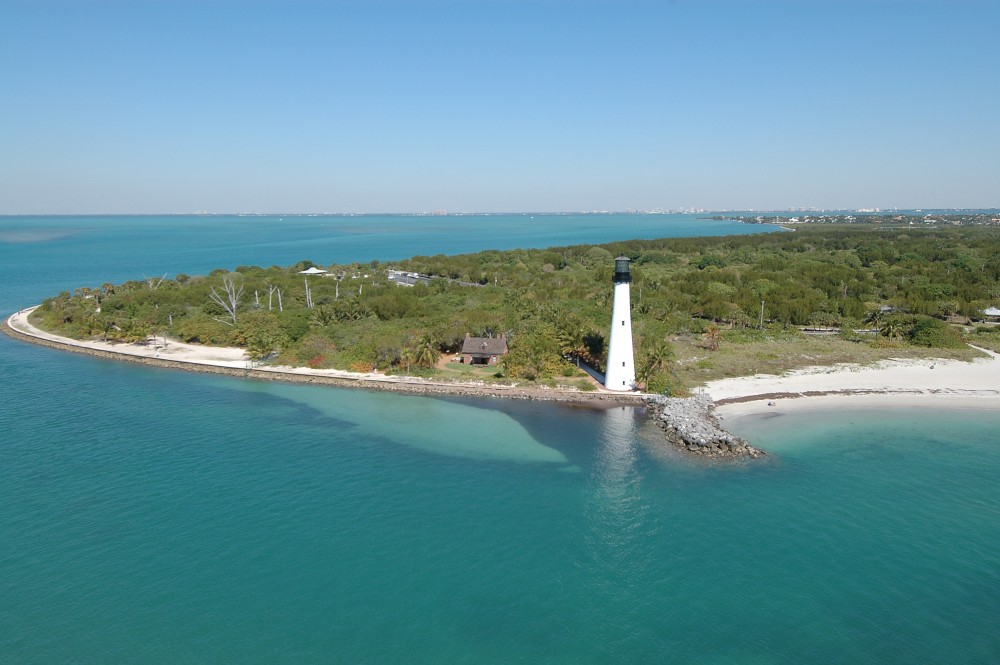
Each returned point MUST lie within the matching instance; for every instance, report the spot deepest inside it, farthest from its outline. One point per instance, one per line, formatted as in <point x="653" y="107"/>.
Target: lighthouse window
<point x="623" y="323"/>
<point x="623" y="364"/>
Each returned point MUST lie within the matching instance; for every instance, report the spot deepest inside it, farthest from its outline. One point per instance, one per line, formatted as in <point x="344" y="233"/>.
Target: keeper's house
<point x="483" y="350"/>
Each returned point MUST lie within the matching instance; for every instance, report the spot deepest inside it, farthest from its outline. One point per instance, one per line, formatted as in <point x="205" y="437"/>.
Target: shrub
<point x="315" y="345"/>
<point x="884" y="343"/>
<point x="202" y="329"/>
<point x="849" y="335"/>
<point x="667" y="383"/>
<point x="935" y="333"/>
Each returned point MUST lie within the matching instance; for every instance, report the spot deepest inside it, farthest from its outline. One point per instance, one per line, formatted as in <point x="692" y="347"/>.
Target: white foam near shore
<point x="899" y="383"/>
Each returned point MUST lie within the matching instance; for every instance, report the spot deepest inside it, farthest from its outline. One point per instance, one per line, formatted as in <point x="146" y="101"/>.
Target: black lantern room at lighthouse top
<point x="622" y="273"/>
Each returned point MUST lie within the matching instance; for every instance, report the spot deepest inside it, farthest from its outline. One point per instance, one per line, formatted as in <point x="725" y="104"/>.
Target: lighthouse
<point x="621" y="362"/>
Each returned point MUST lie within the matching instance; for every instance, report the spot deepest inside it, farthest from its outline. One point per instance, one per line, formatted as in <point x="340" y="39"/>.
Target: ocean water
<point x="40" y="256"/>
<point x="158" y="516"/>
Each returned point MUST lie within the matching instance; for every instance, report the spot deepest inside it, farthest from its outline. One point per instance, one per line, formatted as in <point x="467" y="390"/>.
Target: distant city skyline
<point x="178" y="107"/>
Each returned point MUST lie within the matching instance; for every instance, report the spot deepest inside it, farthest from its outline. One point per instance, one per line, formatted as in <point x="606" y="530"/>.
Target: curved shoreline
<point x="223" y="361"/>
<point x="948" y="384"/>
<point x="690" y="425"/>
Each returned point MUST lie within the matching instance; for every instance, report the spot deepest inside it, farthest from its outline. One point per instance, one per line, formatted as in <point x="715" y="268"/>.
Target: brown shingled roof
<point x="485" y="346"/>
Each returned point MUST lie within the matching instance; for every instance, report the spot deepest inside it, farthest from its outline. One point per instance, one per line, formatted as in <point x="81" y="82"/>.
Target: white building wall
<point x="621" y="361"/>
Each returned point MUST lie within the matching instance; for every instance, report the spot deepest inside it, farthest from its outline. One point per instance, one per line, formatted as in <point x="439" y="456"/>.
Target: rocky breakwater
<point x="691" y="425"/>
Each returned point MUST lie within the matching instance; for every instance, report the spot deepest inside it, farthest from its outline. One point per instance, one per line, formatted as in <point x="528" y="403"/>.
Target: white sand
<point x="181" y="353"/>
<point x="173" y="350"/>
<point x="950" y="383"/>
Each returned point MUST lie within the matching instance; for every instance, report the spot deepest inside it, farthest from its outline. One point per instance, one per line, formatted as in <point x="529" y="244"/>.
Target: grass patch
<point x="695" y="365"/>
<point x="986" y="337"/>
<point x="463" y="372"/>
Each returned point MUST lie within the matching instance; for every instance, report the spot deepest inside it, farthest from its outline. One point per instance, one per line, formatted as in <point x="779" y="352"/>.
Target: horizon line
<point x="444" y="213"/>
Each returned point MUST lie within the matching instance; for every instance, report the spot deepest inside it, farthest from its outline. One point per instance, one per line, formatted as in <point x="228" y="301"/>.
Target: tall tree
<point x="228" y="299"/>
<point x="876" y="317"/>
<point x="407" y="356"/>
<point x="260" y="332"/>
<point x="426" y="351"/>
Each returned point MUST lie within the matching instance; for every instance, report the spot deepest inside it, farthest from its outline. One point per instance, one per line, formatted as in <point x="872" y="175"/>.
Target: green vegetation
<point x="702" y="307"/>
<point x="986" y="337"/>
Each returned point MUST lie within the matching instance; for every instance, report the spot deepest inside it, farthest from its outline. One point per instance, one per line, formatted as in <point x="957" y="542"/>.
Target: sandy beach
<point x="897" y="383"/>
<point x="172" y="350"/>
<point x="949" y="383"/>
<point x="234" y="362"/>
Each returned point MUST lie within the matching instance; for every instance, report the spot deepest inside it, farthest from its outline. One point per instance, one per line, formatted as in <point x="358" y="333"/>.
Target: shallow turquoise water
<point x="157" y="516"/>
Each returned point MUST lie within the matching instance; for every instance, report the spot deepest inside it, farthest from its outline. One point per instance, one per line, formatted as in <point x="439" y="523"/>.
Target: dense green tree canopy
<point x="554" y="304"/>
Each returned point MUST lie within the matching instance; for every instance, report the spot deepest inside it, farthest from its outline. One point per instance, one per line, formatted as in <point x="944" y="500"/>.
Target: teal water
<point x="40" y="256"/>
<point x="157" y="516"/>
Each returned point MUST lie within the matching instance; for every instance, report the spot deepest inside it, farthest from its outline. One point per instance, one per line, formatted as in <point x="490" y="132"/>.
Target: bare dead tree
<point x="229" y="299"/>
<point x="154" y="283"/>
<point x="309" y="300"/>
<point x="271" y="288"/>
<point x="256" y="300"/>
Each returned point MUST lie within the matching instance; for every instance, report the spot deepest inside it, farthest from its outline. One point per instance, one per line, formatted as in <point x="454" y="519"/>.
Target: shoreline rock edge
<point x="690" y="425"/>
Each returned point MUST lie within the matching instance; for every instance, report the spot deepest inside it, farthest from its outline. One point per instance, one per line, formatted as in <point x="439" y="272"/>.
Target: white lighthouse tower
<point x="621" y="361"/>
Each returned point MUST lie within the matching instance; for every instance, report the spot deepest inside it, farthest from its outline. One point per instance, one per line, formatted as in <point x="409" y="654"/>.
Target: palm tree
<point x="876" y="317"/>
<point x="406" y="357"/>
<point x="322" y="317"/>
<point x="712" y="335"/>
<point x="595" y="348"/>
<point x="660" y="356"/>
<point x="426" y="352"/>
<point x="892" y="329"/>
<point x="571" y="342"/>
<point x="657" y="360"/>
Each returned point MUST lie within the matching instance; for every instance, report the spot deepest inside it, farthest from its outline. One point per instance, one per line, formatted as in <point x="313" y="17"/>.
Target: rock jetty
<point x="691" y="425"/>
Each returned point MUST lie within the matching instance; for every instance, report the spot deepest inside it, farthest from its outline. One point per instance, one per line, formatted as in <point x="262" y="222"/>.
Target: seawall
<point x="390" y="384"/>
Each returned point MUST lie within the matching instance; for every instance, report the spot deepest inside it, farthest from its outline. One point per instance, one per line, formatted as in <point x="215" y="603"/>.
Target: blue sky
<point x="180" y="106"/>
